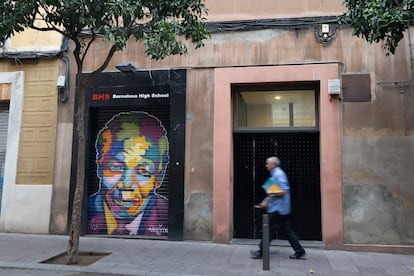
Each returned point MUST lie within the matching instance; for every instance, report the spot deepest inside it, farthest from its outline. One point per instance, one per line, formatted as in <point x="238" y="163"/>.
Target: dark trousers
<point x="277" y="221"/>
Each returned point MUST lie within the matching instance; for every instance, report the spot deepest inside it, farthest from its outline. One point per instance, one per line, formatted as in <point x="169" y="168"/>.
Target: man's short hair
<point x="274" y="160"/>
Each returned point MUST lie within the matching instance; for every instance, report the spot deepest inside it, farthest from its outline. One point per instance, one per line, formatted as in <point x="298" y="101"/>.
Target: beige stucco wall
<point x="39" y="118"/>
<point x="30" y="196"/>
<point x="199" y="156"/>
<point x="38" y="130"/>
<point x="264" y="9"/>
<point x="31" y="147"/>
<point x="34" y="41"/>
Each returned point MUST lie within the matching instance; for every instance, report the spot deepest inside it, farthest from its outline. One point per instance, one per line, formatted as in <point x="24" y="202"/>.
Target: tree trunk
<point x="74" y="233"/>
<point x="82" y="82"/>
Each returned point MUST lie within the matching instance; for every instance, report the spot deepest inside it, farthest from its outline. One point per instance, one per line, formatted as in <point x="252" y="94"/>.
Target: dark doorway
<point x="299" y="155"/>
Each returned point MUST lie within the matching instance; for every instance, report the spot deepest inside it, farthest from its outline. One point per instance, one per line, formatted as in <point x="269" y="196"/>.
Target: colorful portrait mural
<point x="132" y="155"/>
<point x="1" y="190"/>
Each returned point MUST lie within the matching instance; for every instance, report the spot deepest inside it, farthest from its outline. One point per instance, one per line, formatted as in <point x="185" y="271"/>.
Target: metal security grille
<point x="98" y="118"/>
<point x="299" y="154"/>
<point x="4" y="122"/>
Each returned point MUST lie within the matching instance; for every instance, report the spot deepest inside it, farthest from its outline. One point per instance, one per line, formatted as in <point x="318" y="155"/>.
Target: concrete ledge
<point x="380" y="248"/>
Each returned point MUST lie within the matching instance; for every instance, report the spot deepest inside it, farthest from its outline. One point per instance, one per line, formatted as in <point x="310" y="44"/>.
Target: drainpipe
<point x="64" y="91"/>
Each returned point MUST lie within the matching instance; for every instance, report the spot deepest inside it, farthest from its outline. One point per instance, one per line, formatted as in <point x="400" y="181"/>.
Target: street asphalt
<point x="24" y="254"/>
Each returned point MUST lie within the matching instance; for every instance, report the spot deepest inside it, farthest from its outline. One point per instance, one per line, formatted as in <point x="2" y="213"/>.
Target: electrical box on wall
<point x="334" y="87"/>
<point x="356" y="87"/>
<point x="60" y="81"/>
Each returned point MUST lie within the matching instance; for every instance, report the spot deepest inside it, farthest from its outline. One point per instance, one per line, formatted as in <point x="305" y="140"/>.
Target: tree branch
<point x="77" y="54"/>
<point x="44" y="29"/>
<point x="88" y="45"/>
<point x="108" y="58"/>
<point x="106" y="61"/>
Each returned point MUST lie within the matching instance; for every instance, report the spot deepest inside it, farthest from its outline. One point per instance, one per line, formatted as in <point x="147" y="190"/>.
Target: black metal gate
<point x="299" y="155"/>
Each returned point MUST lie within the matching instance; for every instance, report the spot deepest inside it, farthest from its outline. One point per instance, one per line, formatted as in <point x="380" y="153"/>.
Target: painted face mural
<point x="132" y="157"/>
<point x="1" y="190"/>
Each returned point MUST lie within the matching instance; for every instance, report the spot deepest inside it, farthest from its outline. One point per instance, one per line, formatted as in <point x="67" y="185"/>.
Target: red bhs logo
<point x="101" y="97"/>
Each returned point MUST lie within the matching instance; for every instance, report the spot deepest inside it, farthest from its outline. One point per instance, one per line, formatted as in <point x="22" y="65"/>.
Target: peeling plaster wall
<point x="247" y="9"/>
<point x="377" y="137"/>
<point x="198" y="173"/>
<point x="373" y="214"/>
<point x="378" y="179"/>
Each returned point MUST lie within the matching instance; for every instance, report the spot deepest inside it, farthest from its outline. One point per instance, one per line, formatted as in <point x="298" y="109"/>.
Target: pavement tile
<point x="289" y="272"/>
<point x="364" y="260"/>
<point x="398" y="269"/>
<point x="372" y="271"/>
<point x="159" y="257"/>
<point x="341" y="261"/>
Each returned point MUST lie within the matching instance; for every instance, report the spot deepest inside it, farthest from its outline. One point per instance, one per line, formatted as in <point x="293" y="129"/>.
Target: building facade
<point x="283" y="80"/>
<point x="29" y="68"/>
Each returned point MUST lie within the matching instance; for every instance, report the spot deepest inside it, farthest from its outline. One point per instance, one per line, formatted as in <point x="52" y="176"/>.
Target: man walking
<point x="277" y="205"/>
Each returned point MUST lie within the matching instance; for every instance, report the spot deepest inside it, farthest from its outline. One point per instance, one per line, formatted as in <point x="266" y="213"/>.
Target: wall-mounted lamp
<point x="126" y="67"/>
<point x="325" y="33"/>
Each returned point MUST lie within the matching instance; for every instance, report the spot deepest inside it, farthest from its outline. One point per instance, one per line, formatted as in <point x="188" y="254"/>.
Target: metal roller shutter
<point x="4" y="120"/>
<point x="115" y="212"/>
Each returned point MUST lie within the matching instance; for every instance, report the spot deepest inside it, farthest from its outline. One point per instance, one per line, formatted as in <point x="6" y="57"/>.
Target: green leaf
<point x="161" y="24"/>
<point x="379" y="20"/>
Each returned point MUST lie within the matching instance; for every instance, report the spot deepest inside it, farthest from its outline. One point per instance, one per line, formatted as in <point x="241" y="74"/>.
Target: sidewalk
<point x="154" y="257"/>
